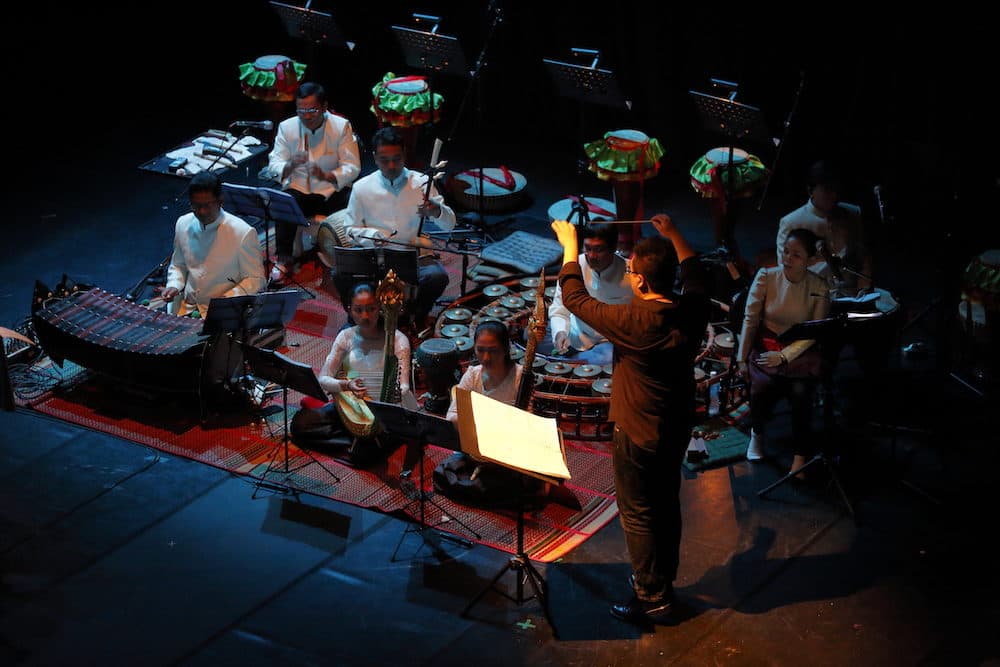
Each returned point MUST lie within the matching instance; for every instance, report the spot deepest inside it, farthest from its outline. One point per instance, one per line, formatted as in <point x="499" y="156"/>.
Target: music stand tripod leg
<point x="422" y="527"/>
<point x="522" y="567"/>
<point x="834" y="479"/>
<point x="286" y="470"/>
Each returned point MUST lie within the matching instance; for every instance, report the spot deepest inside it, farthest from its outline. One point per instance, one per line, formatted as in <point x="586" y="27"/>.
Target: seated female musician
<point x="496" y="375"/>
<point x="779" y="298"/>
<point x="463" y="477"/>
<point x="354" y="368"/>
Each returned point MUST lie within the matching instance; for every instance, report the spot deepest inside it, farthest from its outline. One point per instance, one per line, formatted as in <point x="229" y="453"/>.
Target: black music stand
<point x="734" y="120"/>
<point x="430" y="50"/>
<point x="826" y="332"/>
<point x="269" y="205"/>
<point x="288" y="373"/>
<point x="265" y="310"/>
<point x="585" y="84"/>
<point x="309" y="25"/>
<point x="423" y="428"/>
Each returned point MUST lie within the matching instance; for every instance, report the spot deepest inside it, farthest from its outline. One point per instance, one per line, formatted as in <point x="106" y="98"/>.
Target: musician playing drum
<point x="390" y="205"/>
<point x="354" y="366"/>
<point x="216" y="254"/>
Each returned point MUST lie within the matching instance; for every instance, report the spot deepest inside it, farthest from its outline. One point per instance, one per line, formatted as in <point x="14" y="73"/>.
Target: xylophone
<point x="108" y="334"/>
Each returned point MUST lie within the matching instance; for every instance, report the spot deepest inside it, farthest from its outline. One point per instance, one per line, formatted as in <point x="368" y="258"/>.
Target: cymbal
<point x="454" y="330"/>
<point x="530" y="282"/>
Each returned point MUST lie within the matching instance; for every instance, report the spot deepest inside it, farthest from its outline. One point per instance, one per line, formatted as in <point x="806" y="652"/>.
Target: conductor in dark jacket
<point x="656" y="337"/>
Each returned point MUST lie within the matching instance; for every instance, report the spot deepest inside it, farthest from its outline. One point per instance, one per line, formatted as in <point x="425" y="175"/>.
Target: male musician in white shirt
<point x="389" y="205"/>
<point x="606" y="279"/>
<point x="216" y="254"/>
<point x="838" y="225"/>
<point x="316" y="159"/>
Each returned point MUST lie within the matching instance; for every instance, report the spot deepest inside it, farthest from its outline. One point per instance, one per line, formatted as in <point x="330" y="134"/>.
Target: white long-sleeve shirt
<point x="780" y="304"/>
<point x="221" y="259"/>
<point x="378" y="208"/>
<point x="332" y="146"/>
<point x="610" y="286"/>
<point x="472" y="380"/>
<point x="352" y="355"/>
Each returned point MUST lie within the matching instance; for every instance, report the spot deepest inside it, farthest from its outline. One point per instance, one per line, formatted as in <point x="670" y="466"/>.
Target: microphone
<point x="831" y="260"/>
<point x="881" y="205"/>
<point x="259" y="124"/>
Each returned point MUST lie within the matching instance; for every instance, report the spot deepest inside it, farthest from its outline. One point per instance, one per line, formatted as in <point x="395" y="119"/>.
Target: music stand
<point x="826" y="332"/>
<point x="288" y="373"/>
<point x="584" y="83"/>
<point x="736" y="121"/>
<point x="267" y="204"/>
<point x="430" y="50"/>
<point x="265" y="310"/>
<point x="309" y="25"/>
<point x="423" y="428"/>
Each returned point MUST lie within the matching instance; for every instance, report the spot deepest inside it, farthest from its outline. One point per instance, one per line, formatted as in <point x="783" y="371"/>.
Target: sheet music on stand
<point x="309" y="24"/>
<point x="585" y="83"/>
<point x="729" y="117"/>
<point x="430" y="50"/>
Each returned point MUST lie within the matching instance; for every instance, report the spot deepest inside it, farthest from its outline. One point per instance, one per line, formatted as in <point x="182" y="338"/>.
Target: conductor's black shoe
<point x="641" y="612"/>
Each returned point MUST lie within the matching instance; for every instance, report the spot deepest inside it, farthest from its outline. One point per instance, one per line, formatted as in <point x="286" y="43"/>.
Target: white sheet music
<point x="495" y="431"/>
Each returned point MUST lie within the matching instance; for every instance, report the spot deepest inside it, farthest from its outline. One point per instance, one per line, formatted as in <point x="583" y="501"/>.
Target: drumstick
<point x="619" y="222"/>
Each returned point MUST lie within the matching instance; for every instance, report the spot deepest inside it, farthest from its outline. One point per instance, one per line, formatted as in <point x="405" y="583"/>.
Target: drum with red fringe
<point x="708" y="173"/>
<point x="404" y="101"/>
<point x="624" y="155"/>
<point x="271" y="78"/>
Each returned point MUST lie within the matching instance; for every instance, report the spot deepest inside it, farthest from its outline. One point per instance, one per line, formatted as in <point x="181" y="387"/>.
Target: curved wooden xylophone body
<point x="108" y="334"/>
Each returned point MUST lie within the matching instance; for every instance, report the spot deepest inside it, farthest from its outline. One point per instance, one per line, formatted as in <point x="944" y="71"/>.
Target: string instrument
<point x="536" y="329"/>
<point x="354" y="414"/>
<point x="390" y="294"/>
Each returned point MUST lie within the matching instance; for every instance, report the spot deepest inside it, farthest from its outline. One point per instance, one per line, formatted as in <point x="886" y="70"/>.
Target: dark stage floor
<point x="115" y="554"/>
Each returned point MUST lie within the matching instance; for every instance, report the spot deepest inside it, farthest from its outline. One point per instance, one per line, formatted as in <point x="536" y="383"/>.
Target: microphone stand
<point x="474" y="82"/>
<point x="781" y="144"/>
